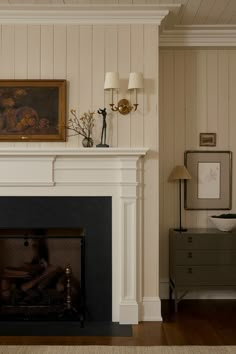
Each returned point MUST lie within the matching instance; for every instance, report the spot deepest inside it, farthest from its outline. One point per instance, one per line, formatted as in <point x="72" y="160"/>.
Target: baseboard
<point x="151" y="310"/>
<point x="206" y="294"/>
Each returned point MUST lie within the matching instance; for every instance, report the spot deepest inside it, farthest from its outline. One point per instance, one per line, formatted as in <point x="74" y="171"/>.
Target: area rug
<point x="37" y="349"/>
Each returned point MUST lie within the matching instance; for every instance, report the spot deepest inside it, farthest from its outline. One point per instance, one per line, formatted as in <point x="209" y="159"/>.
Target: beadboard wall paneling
<point x="197" y="94"/>
<point x="82" y="54"/>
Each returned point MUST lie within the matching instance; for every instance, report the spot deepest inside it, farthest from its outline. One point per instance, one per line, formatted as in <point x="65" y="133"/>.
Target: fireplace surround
<point x="114" y="173"/>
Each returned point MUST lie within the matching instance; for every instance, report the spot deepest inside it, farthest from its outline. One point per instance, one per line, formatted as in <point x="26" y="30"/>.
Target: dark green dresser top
<point x="198" y="231"/>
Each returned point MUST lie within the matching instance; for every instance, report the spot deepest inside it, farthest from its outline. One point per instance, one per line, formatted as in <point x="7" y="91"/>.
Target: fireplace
<point x="113" y="174"/>
<point x="57" y="225"/>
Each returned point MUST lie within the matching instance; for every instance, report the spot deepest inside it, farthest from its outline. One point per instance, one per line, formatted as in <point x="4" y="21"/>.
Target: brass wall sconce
<point x="112" y="83"/>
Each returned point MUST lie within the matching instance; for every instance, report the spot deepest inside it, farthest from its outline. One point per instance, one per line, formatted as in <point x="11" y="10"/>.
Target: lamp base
<point x="181" y="230"/>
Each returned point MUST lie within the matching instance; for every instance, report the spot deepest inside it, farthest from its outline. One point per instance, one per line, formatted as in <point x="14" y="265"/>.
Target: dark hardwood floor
<point x="198" y="322"/>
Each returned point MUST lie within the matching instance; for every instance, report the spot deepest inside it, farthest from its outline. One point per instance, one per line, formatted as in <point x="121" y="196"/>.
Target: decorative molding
<point x="85" y="14"/>
<point x="26" y="171"/>
<point x="151" y="309"/>
<point x="192" y="36"/>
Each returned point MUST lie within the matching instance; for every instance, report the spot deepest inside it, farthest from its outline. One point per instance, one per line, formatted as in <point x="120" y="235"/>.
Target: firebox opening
<point x="44" y="234"/>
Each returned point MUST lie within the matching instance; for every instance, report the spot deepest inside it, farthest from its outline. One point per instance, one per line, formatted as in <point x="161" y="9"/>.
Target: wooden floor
<point x="202" y="322"/>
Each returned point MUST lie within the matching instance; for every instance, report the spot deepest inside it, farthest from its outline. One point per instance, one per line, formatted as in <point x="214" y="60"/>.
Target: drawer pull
<point x="190" y="255"/>
<point x="190" y="271"/>
<point x="190" y="239"/>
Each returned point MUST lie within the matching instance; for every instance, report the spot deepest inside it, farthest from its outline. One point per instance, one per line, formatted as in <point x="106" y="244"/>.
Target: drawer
<point x="200" y="257"/>
<point x="205" y="241"/>
<point x="205" y="275"/>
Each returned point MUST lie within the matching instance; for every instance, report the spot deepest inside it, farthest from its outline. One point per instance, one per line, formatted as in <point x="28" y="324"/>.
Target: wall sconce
<point x="112" y="82"/>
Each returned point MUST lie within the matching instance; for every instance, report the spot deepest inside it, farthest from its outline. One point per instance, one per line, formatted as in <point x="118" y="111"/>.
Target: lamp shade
<point x="179" y="172"/>
<point x="111" y="81"/>
<point x="135" y="81"/>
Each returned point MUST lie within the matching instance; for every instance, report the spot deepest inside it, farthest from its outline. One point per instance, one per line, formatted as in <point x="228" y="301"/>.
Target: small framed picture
<point x="207" y="139"/>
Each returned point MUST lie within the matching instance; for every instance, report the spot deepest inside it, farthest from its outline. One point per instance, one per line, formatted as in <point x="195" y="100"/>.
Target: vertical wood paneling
<point x="190" y="116"/>
<point x="223" y="100"/>
<point x="137" y="52"/>
<point x="85" y="52"/>
<point x="47" y="55"/>
<point x="98" y="78"/>
<point x="232" y="120"/>
<point x="111" y="64"/>
<point x="151" y="226"/>
<point x="60" y="51"/>
<point x="201" y="113"/>
<point x="124" y="69"/>
<point x="201" y="94"/>
<point x="34" y="52"/>
<point x="73" y="78"/>
<point x="212" y="90"/>
<point x="169" y="189"/>
<point x="162" y="234"/>
<point x="21" y="49"/>
<point x="7" y="52"/>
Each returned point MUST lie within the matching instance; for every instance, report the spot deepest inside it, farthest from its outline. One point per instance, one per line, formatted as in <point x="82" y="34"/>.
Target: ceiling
<point x="220" y="13"/>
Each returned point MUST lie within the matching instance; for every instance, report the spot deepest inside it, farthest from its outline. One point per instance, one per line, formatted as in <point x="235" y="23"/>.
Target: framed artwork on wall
<point x="211" y="185"/>
<point x="32" y="110"/>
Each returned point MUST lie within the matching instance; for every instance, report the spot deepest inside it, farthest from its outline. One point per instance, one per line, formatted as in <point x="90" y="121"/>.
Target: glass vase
<point x="87" y="142"/>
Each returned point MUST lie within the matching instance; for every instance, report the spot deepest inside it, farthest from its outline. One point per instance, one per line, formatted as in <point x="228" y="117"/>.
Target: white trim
<point x="193" y="36"/>
<point x="85" y="14"/>
<point x="151" y="309"/>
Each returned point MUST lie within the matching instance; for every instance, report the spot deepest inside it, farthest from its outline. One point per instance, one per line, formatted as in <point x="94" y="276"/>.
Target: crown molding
<point x="85" y="14"/>
<point x="199" y="36"/>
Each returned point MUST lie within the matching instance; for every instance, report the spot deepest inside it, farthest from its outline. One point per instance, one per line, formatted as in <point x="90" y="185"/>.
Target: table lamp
<point x="179" y="173"/>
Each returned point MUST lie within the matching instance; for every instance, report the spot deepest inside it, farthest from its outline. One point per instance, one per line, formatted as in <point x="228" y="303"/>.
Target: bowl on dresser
<point x="224" y="222"/>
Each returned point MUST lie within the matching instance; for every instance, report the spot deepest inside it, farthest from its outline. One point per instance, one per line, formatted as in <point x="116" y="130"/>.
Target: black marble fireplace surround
<point x="93" y="214"/>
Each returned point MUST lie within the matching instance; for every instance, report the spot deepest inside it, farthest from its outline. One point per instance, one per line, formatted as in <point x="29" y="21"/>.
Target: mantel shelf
<point x="74" y="152"/>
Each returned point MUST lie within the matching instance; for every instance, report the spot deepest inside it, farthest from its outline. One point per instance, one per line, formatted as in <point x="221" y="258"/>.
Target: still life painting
<point x="32" y="110"/>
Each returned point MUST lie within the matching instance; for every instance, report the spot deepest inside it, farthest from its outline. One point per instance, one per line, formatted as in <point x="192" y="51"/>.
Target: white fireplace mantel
<point x="114" y="172"/>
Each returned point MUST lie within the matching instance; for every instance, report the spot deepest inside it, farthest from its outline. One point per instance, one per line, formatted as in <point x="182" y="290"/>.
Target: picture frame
<point x="32" y="110"/>
<point x="210" y="187"/>
<point x="207" y="139"/>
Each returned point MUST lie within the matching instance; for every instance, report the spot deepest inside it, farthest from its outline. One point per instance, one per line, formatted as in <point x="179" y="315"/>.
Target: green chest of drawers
<point x="201" y="258"/>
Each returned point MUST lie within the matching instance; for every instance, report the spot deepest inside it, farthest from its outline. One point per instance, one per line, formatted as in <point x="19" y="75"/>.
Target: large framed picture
<point x="211" y="185"/>
<point x="32" y="110"/>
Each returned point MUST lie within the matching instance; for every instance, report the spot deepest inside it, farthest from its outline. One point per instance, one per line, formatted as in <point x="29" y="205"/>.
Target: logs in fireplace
<point x="42" y="274"/>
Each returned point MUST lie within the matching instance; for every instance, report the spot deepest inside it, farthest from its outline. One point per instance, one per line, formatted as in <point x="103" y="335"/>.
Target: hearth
<point x="45" y="272"/>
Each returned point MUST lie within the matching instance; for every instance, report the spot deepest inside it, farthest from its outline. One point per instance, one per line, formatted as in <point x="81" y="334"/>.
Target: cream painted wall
<point x="82" y="54"/>
<point x="197" y="94"/>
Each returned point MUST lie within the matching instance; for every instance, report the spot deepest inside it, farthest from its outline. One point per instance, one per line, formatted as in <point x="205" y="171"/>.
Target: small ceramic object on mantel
<point x="224" y="222"/>
<point x="82" y="126"/>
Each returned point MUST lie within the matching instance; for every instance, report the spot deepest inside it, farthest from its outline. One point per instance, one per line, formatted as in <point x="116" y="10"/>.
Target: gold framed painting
<point x="32" y="110"/>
